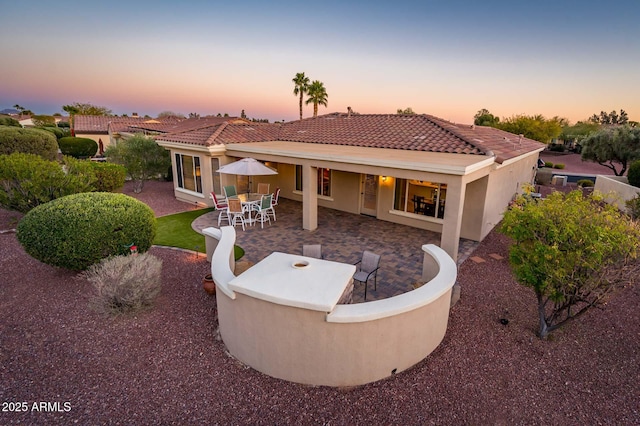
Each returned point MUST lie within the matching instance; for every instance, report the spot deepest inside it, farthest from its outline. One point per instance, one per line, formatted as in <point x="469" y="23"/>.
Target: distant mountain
<point x="9" y="111"/>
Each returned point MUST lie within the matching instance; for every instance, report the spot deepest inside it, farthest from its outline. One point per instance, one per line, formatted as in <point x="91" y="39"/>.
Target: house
<point x="416" y="170"/>
<point x="107" y="130"/>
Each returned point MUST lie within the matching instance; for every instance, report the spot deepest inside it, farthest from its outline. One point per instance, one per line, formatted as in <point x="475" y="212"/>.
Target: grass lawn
<point x="175" y="231"/>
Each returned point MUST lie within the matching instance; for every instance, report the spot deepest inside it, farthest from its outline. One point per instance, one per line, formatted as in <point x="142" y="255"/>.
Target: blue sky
<point x="449" y="59"/>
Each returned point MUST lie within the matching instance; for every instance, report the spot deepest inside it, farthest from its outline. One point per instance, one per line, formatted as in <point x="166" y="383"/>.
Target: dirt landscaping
<point x="167" y="365"/>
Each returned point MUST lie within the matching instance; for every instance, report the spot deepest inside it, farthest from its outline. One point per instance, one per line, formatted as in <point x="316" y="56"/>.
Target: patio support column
<point x="450" y="239"/>
<point x="309" y="198"/>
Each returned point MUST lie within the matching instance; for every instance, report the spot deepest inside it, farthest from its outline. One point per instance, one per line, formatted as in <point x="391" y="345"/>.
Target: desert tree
<point x="570" y="249"/>
<point x="484" y="118"/>
<point x="143" y="158"/>
<point x="78" y="108"/>
<point x="301" y="85"/>
<point x="614" y="147"/>
<point x="611" y="118"/>
<point x="535" y="127"/>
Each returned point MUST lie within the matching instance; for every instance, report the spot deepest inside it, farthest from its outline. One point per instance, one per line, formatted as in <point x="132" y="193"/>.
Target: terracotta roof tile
<point x="100" y="123"/>
<point x="390" y="131"/>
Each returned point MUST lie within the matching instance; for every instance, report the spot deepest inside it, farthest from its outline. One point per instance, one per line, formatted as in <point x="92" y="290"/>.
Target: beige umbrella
<point x="247" y="167"/>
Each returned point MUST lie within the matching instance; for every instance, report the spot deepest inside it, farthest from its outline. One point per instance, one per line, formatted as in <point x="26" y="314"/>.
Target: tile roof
<point x="419" y="132"/>
<point x="183" y="125"/>
<point x="224" y="133"/>
<point x="99" y="124"/>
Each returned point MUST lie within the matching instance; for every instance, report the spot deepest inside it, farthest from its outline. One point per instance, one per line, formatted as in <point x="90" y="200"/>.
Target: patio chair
<point x="369" y="265"/>
<point x="263" y="188"/>
<point x="262" y="210"/>
<point x="312" y="250"/>
<point x="274" y="201"/>
<point x="235" y="213"/>
<point x="221" y="207"/>
<point x="229" y="191"/>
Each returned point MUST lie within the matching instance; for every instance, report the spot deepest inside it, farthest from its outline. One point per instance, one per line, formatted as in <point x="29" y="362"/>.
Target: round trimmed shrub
<point x="558" y="166"/>
<point x="28" y="141"/>
<point x="56" y="131"/>
<point x="633" y="175"/>
<point x="78" y="147"/>
<point x="77" y="231"/>
<point x="585" y="183"/>
<point x="548" y="164"/>
<point x="8" y="121"/>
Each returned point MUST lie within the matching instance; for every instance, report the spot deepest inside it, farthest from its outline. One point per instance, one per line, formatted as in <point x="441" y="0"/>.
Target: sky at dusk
<point x="566" y="58"/>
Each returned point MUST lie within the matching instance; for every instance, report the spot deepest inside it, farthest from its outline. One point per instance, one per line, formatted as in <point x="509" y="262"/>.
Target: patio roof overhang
<point x="379" y="161"/>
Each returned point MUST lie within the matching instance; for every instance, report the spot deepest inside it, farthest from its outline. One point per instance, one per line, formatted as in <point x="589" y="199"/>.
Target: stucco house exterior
<point x="416" y="170"/>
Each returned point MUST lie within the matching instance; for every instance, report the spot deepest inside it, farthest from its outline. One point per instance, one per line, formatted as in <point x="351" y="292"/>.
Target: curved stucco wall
<point x="352" y="345"/>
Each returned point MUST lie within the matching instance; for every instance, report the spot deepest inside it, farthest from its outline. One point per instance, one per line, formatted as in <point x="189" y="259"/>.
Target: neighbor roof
<point x="99" y="124"/>
<point x="415" y="132"/>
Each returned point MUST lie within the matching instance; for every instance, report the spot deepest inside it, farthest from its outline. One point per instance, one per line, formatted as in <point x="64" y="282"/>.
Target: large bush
<point x="633" y="175"/>
<point x="79" y="230"/>
<point x="78" y="147"/>
<point x="28" y="180"/>
<point x="31" y="141"/>
<point x="56" y="131"/>
<point x="8" y="121"/>
<point x="125" y="283"/>
<point x="109" y="176"/>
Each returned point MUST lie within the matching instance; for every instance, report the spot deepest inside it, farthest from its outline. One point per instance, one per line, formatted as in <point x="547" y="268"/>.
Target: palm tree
<point x="317" y="95"/>
<point x="301" y="87"/>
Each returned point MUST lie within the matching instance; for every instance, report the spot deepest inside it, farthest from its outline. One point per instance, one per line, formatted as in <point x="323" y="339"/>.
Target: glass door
<point x="369" y="195"/>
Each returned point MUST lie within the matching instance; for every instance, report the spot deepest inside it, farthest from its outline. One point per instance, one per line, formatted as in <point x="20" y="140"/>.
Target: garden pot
<point x="208" y="284"/>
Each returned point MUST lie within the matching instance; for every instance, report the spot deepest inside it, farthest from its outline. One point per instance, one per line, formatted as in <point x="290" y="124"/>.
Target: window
<point x="420" y="197"/>
<point x="189" y="173"/>
<point x="324" y="181"/>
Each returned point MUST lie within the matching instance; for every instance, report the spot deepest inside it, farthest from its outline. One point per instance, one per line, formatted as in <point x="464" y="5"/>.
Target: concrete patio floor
<point x="344" y="236"/>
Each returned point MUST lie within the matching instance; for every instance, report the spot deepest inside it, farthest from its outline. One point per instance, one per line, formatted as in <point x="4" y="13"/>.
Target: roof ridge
<point x="211" y="139"/>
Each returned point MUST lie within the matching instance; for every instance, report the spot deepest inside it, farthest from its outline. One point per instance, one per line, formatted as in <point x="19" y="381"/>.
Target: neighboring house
<point x="107" y="130"/>
<point x="416" y="170"/>
<point x="96" y="127"/>
<point x="27" y="121"/>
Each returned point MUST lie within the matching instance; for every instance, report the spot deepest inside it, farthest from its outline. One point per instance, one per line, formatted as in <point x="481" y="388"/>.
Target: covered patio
<point x="344" y="236"/>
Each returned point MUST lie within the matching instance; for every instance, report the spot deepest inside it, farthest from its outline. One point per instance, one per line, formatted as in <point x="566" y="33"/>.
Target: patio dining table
<point x="248" y="200"/>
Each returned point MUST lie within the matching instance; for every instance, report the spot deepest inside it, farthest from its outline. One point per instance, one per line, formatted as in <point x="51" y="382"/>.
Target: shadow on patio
<point x="344" y="236"/>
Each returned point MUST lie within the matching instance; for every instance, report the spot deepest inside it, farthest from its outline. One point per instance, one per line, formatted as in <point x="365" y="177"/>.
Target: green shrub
<point x="43" y="120"/>
<point x="78" y="147"/>
<point x="633" y="175"/>
<point x="585" y="183"/>
<point x="556" y="147"/>
<point x="125" y="283"/>
<point x="64" y="124"/>
<point x="82" y="169"/>
<point x="548" y="164"/>
<point x="558" y="166"/>
<point x="109" y="176"/>
<point x="28" y="180"/>
<point x="8" y="121"/>
<point x="30" y="141"/>
<point x="79" y="230"/>
<point x="633" y="207"/>
<point x="57" y="132"/>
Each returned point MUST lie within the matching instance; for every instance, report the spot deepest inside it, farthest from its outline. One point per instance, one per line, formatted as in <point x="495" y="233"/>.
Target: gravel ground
<point x="166" y="365"/>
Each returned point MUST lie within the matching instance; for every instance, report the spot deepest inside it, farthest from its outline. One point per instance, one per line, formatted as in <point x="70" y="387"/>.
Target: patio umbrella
<point x="247" y="167"/>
